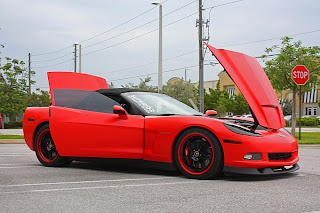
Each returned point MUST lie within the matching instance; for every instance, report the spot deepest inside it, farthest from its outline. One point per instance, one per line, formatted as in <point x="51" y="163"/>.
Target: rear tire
<point x="46" y="151"/>
<point x="198" y="154"/>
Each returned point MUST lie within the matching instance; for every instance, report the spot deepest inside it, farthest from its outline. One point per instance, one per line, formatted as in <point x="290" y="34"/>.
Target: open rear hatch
<point x="254" y="85"/>
<point x="71" y="80"/>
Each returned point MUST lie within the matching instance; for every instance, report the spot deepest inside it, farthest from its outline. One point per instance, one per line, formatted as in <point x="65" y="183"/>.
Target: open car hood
<point x="72" y="80"/>
<point x="254" y="85"/>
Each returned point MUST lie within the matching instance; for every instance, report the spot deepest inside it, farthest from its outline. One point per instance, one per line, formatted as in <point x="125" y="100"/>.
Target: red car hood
<point x="254" y="85"/>
<point x="71" y="80"/>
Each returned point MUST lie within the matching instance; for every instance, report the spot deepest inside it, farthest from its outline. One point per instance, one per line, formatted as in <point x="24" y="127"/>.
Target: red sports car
<point x="87" y="119"/>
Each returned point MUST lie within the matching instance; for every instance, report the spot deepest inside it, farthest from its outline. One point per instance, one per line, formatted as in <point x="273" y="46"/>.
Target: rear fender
<point x="33" y="119"/>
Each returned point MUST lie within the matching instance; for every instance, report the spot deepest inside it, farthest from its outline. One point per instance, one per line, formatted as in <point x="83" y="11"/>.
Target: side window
<point x="82" y="99"/>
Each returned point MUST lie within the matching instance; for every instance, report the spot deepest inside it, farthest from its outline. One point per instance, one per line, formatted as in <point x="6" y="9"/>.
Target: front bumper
<point x="263" y="171"/>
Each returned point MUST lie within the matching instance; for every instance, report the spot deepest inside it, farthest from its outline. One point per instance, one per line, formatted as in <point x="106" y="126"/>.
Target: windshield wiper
<point x="166" y="114"/>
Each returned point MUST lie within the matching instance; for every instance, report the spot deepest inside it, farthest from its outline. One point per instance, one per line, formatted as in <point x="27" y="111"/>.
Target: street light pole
<point x="160" y="46"/>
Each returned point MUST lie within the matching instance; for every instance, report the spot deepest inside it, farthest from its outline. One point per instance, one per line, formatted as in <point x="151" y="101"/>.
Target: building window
<point x="230" y="90"/>
<point x="308" y="110"/>
<point x="315" y="111"/>
<point x="311" y="111"/>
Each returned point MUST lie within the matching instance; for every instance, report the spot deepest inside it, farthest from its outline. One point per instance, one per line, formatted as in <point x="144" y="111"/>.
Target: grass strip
<point x="11" y="137"/>
<point x="308" y="137"/>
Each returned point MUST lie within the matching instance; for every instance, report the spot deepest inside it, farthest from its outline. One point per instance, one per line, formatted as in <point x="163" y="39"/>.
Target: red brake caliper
<point x="186" y="153"/>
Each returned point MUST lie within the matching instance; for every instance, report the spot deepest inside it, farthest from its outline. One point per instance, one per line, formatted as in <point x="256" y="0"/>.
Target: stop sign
<point x="300" y="75"/>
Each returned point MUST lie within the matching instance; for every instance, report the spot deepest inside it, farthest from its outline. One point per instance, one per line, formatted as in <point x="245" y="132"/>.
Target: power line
<point x="163" y="26"/>
<point x="129" y="30"/>
<point x="55" y="64"/>
<point x="224" y="4"/>
<point x="100" y="33"/>
<point x="126" y="69"/>
<point x="182" y="68"/>
<point x="143" y="65"/>
<point x="53" y="58"/>
<point x="138" y="26"/>
<point x="258" y="41"/>
<point x="296" y="34"/>
<point x="24" y="57"/>
<point x="139" y="35"/>
<point x="52" y="52"/>
<point x="121" y="24"/>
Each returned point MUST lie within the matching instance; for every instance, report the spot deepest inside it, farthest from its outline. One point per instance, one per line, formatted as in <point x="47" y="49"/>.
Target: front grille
<point x="279" y="156"/>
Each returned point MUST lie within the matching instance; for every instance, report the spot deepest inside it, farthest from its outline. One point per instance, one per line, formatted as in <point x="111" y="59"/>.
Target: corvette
<point x="87" y="119"/>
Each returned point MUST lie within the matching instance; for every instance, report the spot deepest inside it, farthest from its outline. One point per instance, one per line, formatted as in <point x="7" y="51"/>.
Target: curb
<point x="309" y="145"/>
<point x="12" y="141"/>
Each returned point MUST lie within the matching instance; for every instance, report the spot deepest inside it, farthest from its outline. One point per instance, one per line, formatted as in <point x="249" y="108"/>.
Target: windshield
<point x="159" y="104"/>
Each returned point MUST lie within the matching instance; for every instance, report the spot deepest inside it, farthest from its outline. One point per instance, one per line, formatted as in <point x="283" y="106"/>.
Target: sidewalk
<point x="302" y="129"/>
<point x="12" y="141"/>
<point x="11" y="131"/>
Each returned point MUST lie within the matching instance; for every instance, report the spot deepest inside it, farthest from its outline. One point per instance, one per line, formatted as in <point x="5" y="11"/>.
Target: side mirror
<point x="120" y="111"/>
<point x="211" y="113"/>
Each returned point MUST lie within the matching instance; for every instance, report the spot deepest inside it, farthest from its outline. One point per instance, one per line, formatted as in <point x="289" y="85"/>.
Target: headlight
<point x="241" y="129"/>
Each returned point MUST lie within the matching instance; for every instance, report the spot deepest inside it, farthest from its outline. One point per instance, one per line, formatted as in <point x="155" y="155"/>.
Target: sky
<point x="119" y="39"/>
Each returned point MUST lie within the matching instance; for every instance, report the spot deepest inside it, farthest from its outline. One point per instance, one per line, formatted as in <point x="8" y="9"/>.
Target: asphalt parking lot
<point x="26" y="186"/>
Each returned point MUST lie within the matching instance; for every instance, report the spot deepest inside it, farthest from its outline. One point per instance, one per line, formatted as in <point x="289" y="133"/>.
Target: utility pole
<point x="75" y="57"/>
<point x="200" y="58"/>
<point x="79" y="58"/>
<point x="185" y="74"/>
<point x="29" y="73"/>
<point x="160" y="49"/>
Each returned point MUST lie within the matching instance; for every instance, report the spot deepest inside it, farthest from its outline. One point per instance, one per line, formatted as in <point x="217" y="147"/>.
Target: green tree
<point x="279" y="68"/>
<point x="182" y="91"/>
<point x="287" y="107"/>
<point x="143" y="85"/>
<point x="222" y="102"/>
<point x="40" y="99"/>
<point x="13" y="87"/>
<point x="217" y="100"/>
<point x="238" y="105"/>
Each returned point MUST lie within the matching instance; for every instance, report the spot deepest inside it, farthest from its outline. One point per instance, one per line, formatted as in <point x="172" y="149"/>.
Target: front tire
<point x="198" y="154"/>
<point x="46" y="151"/>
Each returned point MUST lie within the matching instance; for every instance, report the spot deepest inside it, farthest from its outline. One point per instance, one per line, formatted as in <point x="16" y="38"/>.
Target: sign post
<point x="300" y="75"/>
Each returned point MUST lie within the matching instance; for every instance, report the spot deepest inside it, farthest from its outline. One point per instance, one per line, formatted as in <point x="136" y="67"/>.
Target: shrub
<point x="288" y="123"/>
<point x="308" y="121"/>
<point x="13" y="124"/>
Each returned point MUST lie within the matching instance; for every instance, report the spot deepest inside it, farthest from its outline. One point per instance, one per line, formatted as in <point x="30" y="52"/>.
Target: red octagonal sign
<point x="300" y="75"/>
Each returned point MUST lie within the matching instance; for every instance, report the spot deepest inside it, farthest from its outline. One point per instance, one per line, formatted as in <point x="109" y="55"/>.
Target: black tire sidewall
<point x="215" y="169"/>
<point x="59" y="161"/>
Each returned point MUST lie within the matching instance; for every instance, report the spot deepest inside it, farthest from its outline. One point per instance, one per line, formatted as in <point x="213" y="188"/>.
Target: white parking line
<point x="15" y="153"/>
<point x="99" y="187"/>
<point x="17" y="167"/>
<point x="13" y="164"/>
<point x="89" y="181"/>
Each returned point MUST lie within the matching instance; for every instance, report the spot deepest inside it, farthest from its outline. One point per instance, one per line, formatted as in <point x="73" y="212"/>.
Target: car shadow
<point x="154" y="168"/>
<point x="125" y="166"/>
